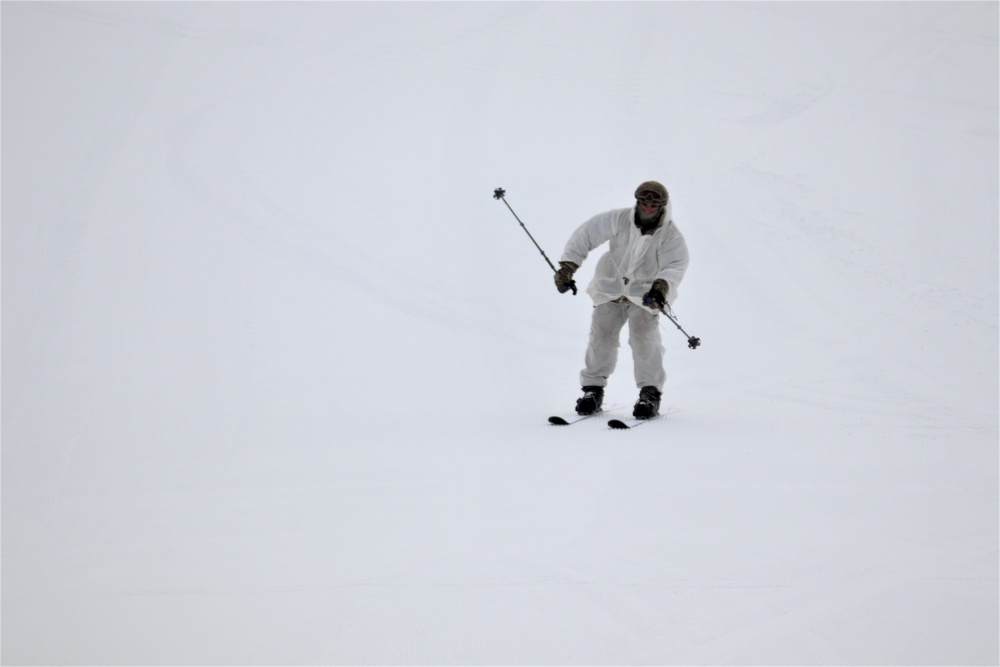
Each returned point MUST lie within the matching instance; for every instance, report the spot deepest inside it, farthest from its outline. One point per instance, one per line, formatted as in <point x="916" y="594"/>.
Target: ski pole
<point x="693" y="342"/>
<point x="499" y="194"/>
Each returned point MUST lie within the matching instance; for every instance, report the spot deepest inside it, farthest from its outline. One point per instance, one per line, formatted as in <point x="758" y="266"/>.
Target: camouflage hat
<point x="652" y="192"/>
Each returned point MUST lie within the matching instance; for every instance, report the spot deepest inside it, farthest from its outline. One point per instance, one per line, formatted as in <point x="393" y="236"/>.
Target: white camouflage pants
<point x="643" y="338"/>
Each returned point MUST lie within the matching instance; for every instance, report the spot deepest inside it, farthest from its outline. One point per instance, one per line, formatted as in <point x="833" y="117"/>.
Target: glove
<point x="656" y="298"/>
<point x="564" y="277"/>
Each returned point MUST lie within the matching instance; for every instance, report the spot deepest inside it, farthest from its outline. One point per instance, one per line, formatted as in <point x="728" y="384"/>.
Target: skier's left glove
<point x="656" y="298"/>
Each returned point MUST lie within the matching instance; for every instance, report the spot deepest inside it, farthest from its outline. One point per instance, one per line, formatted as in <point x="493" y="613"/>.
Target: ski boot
<point x="591" y="401"/>
<point x="648" y="404"/>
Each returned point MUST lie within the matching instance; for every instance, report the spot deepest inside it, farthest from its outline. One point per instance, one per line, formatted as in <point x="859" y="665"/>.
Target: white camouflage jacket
<point x="633" y="260"/>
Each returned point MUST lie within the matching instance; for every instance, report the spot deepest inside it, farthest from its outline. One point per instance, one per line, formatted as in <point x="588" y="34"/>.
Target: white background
<point x="277" y="366"/>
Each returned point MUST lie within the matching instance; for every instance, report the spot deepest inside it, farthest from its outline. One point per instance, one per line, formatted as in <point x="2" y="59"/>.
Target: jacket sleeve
<point x="588" y="236"/>
<point x="673" y="259"/>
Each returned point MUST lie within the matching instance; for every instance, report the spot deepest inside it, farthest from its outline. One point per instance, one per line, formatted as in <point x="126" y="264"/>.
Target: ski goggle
<point x="650" y="197"/>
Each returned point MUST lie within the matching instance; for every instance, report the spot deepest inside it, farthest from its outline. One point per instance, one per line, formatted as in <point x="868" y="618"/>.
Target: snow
<point x="277" y="366"/>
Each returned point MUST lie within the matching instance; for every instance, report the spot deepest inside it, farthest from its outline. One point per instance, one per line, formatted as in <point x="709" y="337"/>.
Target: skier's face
<point x="649" y="208"/>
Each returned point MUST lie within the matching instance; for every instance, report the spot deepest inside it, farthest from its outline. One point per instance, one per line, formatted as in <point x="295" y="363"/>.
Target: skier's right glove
<point x="564" y="277"/>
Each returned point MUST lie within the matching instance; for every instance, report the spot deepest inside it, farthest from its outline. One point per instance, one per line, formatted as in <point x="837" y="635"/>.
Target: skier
<point x="633" y="281"/>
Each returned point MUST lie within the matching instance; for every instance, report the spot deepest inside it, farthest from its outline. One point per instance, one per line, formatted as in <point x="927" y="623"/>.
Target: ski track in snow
<point x="276" y="366"/>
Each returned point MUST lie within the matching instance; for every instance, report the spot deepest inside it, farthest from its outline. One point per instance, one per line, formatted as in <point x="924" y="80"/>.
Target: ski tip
<point x="618" y="424"/>
<point x="558" y="421"/>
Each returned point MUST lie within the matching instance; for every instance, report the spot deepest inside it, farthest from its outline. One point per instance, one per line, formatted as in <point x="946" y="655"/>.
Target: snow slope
<point x="276" y="365"/>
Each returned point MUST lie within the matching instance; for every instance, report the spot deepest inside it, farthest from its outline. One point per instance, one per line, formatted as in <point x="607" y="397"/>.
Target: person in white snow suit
<point x="638" y="275"/>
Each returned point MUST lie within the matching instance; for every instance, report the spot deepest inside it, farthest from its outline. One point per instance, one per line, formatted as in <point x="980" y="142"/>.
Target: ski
<point x="572" y="418"/>
<point x="629" y="423"/>
<point x="622" y="424"/>
<point x="566" y="420"/>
